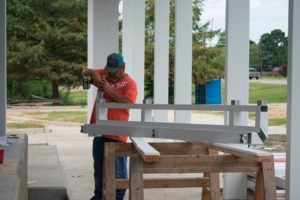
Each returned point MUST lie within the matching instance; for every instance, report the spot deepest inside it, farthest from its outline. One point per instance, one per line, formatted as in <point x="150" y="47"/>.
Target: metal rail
<point x="230" y="133"/>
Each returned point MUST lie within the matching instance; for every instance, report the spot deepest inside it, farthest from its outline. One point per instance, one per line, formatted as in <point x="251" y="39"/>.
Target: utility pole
<point x="260" y="58"/>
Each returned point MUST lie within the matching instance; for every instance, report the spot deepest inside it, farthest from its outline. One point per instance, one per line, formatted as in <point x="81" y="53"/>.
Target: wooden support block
<point x="148" y="153"/>
<point x="109" y="165"/>
<point x="167" y="183"/>
<point x="136" y="186"/>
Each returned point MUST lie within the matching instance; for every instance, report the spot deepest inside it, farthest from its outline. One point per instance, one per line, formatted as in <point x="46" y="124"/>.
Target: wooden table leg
<point x="205" y="191"/>
<point x="136" y="182"/>
<point x="214" y="183"/>
<point x="265" y="182"/>
<point x="110" y="177"/>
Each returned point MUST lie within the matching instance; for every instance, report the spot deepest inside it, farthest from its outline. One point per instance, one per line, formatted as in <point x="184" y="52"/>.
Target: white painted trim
<point x="161" y="58"/>
<point x="133" y="40"/>
<point x="236" y="80"/>
<point x="293" y="106"/>
<point x="183" y="57"/>
<point x="103" y="39"/>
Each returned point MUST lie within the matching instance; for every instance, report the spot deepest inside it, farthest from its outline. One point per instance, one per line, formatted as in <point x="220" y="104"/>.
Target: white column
<point x="183" y="58"/>
<point x="236" y="79"/>
<point x="161" y="58"/>
<point x="293" y="106"/>
<point x="103" y="29"/>
<point x="133" y="47"/>
<point x="2" y="67"/>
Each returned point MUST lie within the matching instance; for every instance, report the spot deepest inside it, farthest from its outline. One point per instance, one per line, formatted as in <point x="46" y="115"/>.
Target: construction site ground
<point x="75" y="149"/>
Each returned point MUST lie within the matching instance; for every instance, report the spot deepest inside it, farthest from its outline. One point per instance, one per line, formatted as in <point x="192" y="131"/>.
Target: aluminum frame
<point x="183" y="131"/>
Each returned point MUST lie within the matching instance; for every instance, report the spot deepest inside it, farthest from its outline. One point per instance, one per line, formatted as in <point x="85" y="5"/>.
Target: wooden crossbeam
<point x="167" y="183"/>
<point x="201" y="163"/>
<point x="164" y="148"/>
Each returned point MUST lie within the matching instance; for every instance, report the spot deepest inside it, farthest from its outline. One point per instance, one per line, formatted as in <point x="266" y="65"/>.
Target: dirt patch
<point x="277" y="111"/>
<point x="275" y="143"/>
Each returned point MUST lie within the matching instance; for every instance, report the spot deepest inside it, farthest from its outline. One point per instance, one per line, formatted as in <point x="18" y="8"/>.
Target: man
<point x="120" y="88"/>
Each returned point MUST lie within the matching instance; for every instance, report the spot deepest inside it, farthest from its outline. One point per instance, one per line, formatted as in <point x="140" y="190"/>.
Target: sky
<point x="265" y="16"/>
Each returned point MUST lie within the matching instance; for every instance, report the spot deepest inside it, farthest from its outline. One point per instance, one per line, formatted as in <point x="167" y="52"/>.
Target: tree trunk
<point x="55" y="93"/>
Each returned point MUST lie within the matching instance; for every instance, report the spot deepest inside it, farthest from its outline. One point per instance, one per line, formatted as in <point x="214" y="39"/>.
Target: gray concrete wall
<point x="13" y="172"/>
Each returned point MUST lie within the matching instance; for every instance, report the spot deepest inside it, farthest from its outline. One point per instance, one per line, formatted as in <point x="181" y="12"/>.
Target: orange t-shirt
<point x="126" y="87"/>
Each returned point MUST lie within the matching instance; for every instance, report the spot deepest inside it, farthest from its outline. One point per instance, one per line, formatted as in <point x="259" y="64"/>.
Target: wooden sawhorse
<point x="186" y="157"/>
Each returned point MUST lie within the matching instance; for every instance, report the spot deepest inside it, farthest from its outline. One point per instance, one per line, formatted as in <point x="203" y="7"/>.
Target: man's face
<point x="116" y="76"/>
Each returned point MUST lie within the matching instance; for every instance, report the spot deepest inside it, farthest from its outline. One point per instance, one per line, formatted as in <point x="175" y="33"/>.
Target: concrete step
<point x="45" y="175"/>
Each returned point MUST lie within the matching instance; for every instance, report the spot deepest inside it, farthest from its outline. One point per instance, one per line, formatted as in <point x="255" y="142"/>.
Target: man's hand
<point x="103" y="84"/>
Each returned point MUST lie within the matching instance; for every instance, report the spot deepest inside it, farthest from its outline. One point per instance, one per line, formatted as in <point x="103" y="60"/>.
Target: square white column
<point x="161" y="58"/>
<point x="103" y="30"/>
<point x="3" y="68"/>
<point x="236" y="80"/>
<point x="293" y="105"/>
<point x="183" y="58"/>
<point x="133" y="45"/>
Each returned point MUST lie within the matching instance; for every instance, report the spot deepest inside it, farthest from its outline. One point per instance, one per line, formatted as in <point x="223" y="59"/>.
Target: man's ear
<point x="123" y="68"/>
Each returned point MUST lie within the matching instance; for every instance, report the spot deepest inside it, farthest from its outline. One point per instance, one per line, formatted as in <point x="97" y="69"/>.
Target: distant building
<point x="275" y="72"/>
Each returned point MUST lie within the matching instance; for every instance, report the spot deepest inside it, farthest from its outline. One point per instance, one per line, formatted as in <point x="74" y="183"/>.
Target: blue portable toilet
<point x="209" y="93"/>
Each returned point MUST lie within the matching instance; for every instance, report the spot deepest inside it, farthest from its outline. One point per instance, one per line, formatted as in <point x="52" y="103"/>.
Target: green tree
<point x="206" y="63"/>
<point x="47" y="41"/>
<point x="274" y="47"/>
<point x="254" y="60"/>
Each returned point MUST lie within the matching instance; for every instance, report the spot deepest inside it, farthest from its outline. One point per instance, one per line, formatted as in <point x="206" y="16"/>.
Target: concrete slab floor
<point x="75" y="154"/>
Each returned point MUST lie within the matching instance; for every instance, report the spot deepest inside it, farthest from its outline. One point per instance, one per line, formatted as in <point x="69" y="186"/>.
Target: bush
<point x="22" y="90"/>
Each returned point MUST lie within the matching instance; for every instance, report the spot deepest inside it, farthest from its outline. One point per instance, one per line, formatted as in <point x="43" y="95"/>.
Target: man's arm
<point x="116" y="97"/>
<point x="92" y="73"/>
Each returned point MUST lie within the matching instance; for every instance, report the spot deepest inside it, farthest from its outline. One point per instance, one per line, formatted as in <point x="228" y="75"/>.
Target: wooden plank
<point x="125" y="149"/>
<point x="191" y="161"/>
<point x="236" y="150"/>
<point x="109" y="164"/>
<point x="214" y="181"/>
<point x="179" y="148"/>
<point x="259" y="186"/>
<point x="148" y="153"/>
<point x="269" y="180"/>
<point x="205" y="191"/>
<point x="136" y="186"/>
<point x="167" y="183"/>
<point x="165" y="148"/>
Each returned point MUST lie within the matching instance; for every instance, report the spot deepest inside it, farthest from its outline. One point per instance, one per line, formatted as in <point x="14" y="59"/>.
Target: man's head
<point x="115" y="67"/>
<point x="114" y="63"/>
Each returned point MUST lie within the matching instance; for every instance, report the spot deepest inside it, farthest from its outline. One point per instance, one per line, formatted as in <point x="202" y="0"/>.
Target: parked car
<point x="253" y="73"/>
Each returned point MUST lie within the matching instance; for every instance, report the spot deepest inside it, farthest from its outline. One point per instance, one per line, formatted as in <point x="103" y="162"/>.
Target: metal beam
<point x="293" y="106"/>
<point x="103" y="37"/>
<point x="2" y="67"/>
<point x="233" y="133"/>
<point x="183" y="57"/>
<point x="161" y="58"/>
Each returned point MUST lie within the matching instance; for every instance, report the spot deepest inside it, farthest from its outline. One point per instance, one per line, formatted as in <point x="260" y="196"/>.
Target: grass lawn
<point x="62" y="116"/>
<point x="272" y="93"/>
<point x="23" y="125"/>
<point x="273" y="78"/>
